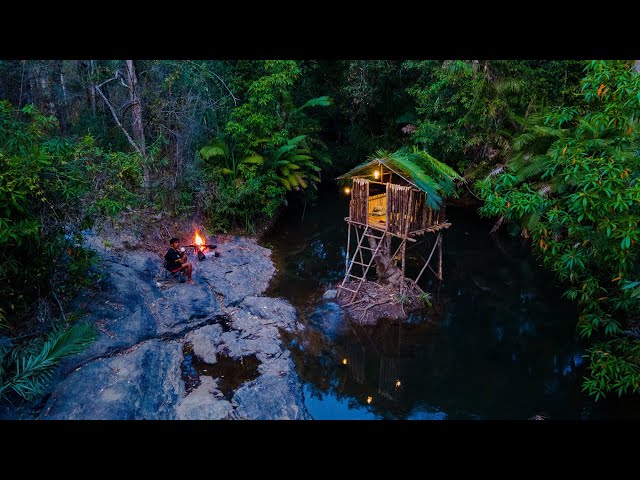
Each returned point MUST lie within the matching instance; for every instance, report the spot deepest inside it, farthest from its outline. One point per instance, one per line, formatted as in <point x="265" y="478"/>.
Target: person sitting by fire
<point x="178" y="260"/>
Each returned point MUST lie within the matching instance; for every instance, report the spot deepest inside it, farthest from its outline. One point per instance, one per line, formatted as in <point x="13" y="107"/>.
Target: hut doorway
<point x="377" y="206"/>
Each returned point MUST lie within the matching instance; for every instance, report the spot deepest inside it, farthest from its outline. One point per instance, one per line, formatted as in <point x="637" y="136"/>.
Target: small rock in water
<point x="539" y="416"/>
<point x="330" y="294"/>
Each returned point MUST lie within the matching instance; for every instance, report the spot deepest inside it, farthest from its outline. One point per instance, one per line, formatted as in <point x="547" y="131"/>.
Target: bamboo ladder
<point x="366" y="266"/>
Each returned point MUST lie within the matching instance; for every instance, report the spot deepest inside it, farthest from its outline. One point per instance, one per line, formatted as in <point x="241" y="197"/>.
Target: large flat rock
<point x="243" y="268"/>
<point x="133" y="370"/>
<point x="141" y="384"/>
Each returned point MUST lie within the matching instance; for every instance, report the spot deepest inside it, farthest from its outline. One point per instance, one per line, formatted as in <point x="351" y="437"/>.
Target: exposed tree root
<point x="375" y="301"/>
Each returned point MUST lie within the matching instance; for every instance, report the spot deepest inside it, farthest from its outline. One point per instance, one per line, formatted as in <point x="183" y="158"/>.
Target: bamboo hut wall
<point x="358" y="207"/>
<point x="401" y="210"/>
<point x="417" y="211"/>
<point x="397" y="208"/>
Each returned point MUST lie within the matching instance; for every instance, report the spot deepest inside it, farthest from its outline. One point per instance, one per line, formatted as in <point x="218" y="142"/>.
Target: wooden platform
<point x="379" y="223"/>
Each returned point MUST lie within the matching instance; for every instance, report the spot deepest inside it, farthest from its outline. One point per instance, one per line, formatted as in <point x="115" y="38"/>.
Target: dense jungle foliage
<point x="547" y="148"/>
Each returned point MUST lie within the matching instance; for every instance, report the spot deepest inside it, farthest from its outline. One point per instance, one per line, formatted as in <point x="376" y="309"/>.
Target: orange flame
<point x="198" y="240"/>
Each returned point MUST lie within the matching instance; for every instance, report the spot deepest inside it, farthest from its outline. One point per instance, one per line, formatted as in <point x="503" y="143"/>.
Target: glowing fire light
<point x="347" y="190"/>
<point x="398" y="384"/>
<point x="198" y="241"/>
<point x="376" y="174"/>
<point x="344" y="361"/>
<point x="369" y="399"/>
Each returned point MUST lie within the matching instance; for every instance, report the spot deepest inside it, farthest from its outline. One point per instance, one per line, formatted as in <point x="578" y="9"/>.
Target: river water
<point x="499" y="343"/>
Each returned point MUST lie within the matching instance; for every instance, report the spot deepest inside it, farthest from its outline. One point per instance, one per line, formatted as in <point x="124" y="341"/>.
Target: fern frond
<point x="509" y="85"/>
<point x="530" y="166"/>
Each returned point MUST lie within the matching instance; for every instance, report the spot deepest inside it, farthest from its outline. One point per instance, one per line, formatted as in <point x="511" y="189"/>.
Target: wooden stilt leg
<point x="440" y="257"/>
<point x="346" y="259"/>
<point x="404" y="261"/>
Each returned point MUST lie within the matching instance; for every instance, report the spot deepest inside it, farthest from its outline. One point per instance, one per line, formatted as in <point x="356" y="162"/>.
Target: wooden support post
<point x="405" y="234"/>
<point x="346" y="260"/>
<point x="404" y="261"/>
<point x="426" y="264"/>
<point x="440" y="257"/>
<point x="441" y="220"/>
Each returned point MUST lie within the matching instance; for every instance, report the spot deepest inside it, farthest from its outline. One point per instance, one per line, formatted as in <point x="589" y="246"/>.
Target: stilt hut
<point x="388" y="199"/>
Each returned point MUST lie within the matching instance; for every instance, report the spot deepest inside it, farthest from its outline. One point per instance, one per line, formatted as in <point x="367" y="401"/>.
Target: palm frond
<point x="253" y="159"/>
<point x="416" y="167"/>
<point x="33" y="370"/>
<point x="298" y="157"/>
<point x="215" y="149"/>
<point x="324" y="101"/>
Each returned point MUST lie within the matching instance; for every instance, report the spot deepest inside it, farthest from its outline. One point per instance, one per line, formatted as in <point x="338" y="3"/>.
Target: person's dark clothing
<point x="171" y="258"/>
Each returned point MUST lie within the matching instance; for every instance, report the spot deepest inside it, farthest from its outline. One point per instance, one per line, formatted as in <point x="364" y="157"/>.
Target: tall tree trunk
<point x="60" y="101"/>
<point x="92" y="86"/>
<point x="21" y="84"/>
<point x="636" y="66"/>
<point x="386" y="267"/>
<point x="136" y="120"/>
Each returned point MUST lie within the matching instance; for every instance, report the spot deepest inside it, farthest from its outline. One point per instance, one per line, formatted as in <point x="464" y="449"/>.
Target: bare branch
<point x="228" y="90"/>
<point x="59" y="305"/>
<point x="115" y="116"/>
<point x="221" y="81"/>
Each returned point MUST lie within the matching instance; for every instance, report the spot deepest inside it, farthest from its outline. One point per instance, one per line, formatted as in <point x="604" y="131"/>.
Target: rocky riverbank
<point x="152" y="331"/>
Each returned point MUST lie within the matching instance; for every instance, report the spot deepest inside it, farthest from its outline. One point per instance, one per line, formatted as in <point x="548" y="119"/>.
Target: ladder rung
<point x="374" y="236"/>
<point x="345" y="288"/>
<point x="367" y="248"/>
<point x="358" y="263"/>
<point x="359" y="278"/>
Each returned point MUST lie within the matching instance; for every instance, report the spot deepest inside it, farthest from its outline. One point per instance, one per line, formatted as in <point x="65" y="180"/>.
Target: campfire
<point x="200" y="248"/>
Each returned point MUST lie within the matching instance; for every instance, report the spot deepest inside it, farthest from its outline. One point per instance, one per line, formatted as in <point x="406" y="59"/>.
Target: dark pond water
<point x="500" y="342"/>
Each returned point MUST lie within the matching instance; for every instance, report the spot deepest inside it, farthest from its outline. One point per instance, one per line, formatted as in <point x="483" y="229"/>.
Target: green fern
<point x="295" y="164"/>
<point x="27" y="370"/>
<point x="527" y="167"/>
<point x="509" y="85"/>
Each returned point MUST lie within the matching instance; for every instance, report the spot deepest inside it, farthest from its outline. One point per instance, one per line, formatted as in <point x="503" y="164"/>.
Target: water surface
<point x="500" y="343"/>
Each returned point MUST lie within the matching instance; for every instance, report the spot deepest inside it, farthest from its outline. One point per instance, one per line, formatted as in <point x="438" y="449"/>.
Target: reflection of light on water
<point x="330" y="406"/>
<point x="499" y="333"/>
<point x="520" y="335"/>
<point x="426" y="412"/>
<point x="318" y="249"/>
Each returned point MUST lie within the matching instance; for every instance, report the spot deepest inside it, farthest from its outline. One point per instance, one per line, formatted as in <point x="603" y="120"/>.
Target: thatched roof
<point x="364" y="170"/>
<point x="415" y="167"/>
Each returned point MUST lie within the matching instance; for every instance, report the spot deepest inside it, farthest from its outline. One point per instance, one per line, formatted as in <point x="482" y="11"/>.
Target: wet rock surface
<point x="133" y="370"/>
